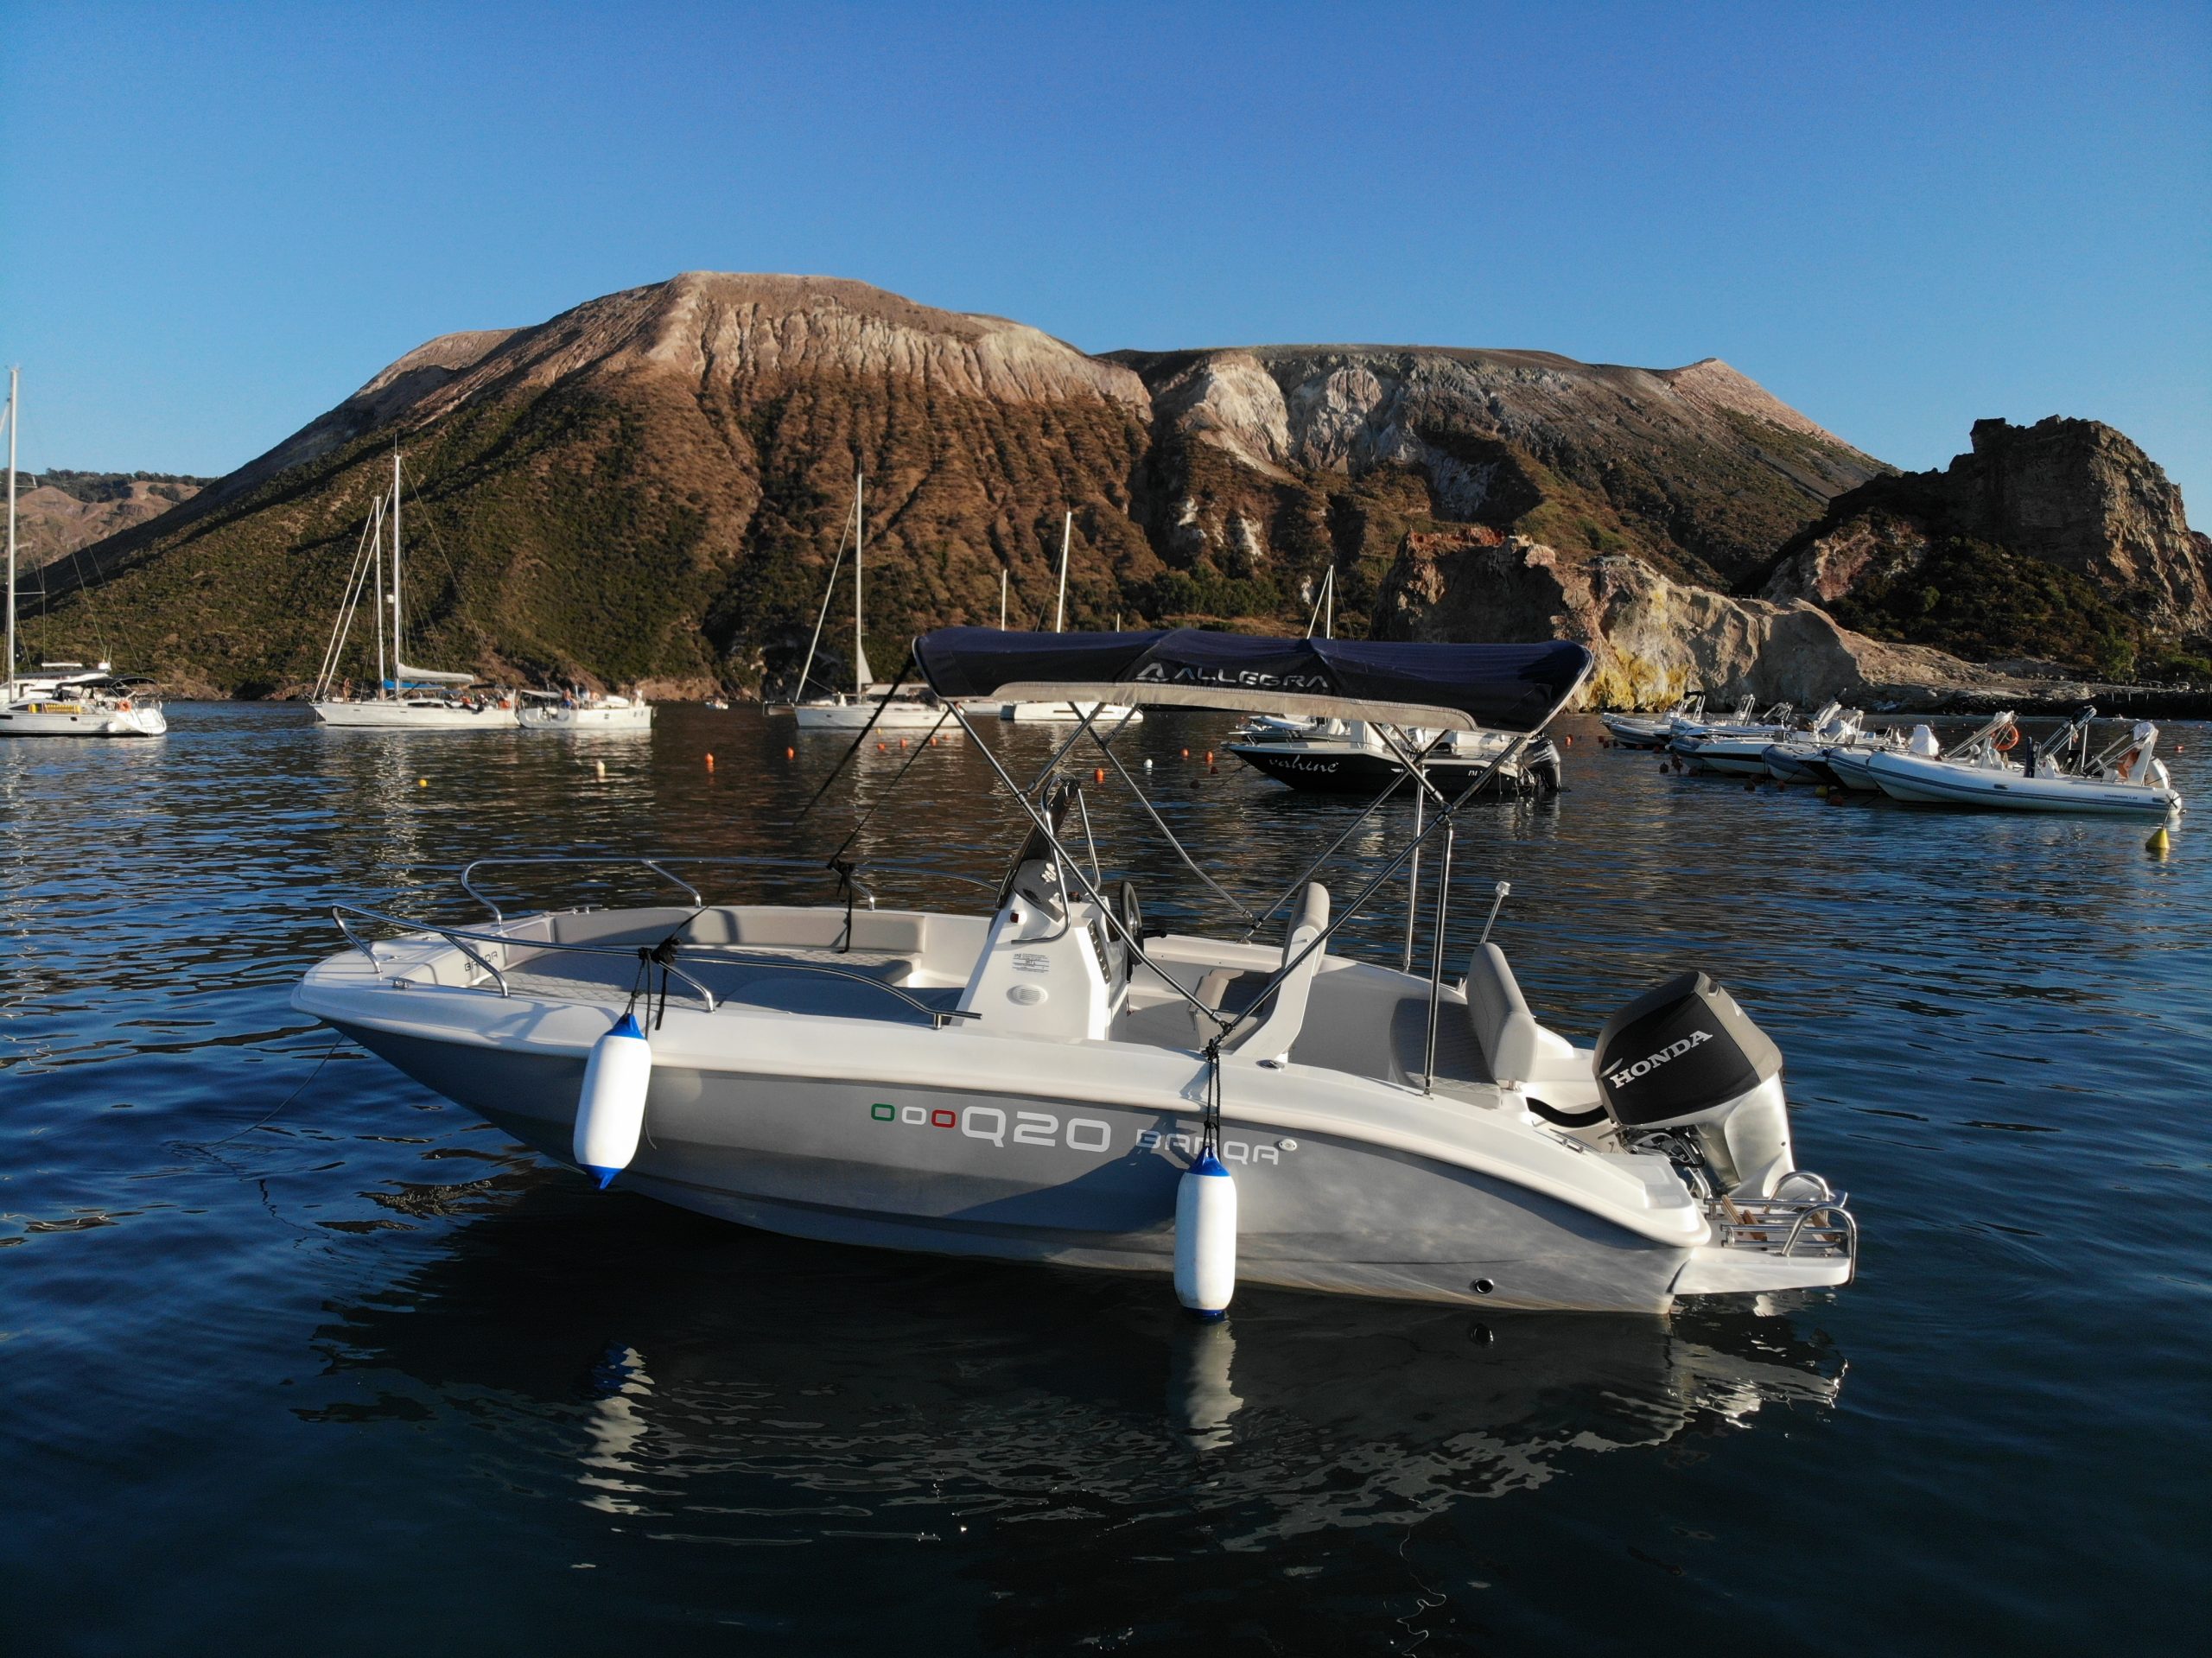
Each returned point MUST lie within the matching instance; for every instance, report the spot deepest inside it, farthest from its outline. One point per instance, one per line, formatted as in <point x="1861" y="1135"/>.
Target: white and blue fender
<point x="1205" y="1238"/>
<point x="611" y="1111"/>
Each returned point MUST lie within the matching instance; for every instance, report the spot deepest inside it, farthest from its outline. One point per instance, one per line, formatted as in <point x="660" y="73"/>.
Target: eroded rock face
<point x="1698" y="469"/>
<point x="2076" y="493"/>
<point x="1655" y="638"/>
<point x="52" y="522"/>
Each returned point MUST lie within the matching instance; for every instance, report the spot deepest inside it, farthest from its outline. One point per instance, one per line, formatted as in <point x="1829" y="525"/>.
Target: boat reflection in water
<point x="730" y="1386"/>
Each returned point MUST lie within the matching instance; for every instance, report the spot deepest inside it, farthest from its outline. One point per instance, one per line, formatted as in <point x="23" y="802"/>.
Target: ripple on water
<point x="285" y="1333"/>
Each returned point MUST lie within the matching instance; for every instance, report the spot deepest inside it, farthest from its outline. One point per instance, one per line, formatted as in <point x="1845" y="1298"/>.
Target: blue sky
<point x="221" y="220"/>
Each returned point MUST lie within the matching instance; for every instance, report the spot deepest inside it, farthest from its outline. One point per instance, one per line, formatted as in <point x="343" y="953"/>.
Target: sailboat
<point x="1108" y="714"/>
<point x="406" y="698"/>
<point x="870" y="703"/>
<point x="64" y="699"/>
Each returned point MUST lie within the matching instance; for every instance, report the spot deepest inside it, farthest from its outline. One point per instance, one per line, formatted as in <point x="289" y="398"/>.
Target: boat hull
<point x="1104" y="713"/>
<point x="1934" y="782"/>
<point x="409" y="716"/>
<point x="1743" y="757"/>
<point x="558" y="719"/>
<point x="75" y="720"/>
<point x="1350" y="771"/>
<point x="1630" y="731"/>
<point x="855" y="716"/>
<point x="892" y="1165"/>
<point x="1853" y="769"/>
<point x="1789" y="763"/>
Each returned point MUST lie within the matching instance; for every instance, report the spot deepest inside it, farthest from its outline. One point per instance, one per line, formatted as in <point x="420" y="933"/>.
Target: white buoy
<point x="1205" y="1238"/>
<point x="611" y="1110"/>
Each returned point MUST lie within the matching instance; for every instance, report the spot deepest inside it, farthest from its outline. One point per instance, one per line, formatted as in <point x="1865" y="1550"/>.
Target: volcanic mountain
<point x="651" y="485"/>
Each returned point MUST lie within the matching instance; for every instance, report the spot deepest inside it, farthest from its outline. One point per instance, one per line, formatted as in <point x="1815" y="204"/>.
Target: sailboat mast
<point x="1002" y="598"/>
<point x="1060" y="610"/>
<point x="376" y="581"/>
<point x="860" y="646"/>
<point x="398" y="672"/>
<point x="14" y="391"/>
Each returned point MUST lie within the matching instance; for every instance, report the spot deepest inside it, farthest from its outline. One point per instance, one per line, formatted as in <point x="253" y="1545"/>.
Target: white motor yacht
<point x="1048" y="1079"/>
<point x="578" y="709"/>
<point x="64" y="699"/>
<point x="401" y="698"/>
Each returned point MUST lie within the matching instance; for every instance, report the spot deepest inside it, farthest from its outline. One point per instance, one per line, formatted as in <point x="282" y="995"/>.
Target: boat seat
<point x="1516" y="1049"/>
<point x="1270" y="1039"/>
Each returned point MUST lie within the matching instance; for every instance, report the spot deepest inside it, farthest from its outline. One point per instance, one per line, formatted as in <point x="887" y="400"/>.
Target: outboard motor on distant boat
<point x="1541" y="766"/>
<point x="1685" y="1062"/>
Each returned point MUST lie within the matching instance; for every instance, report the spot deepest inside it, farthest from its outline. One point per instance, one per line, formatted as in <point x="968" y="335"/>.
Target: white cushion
<point x="1508" y="1032"/>
<point x="1271" y="1037"/>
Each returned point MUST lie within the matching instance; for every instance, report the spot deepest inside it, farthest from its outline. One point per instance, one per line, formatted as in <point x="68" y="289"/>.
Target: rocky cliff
<point x="1698" y="470"/>
<point x="2062" y="538"/>
<point x="652" y="485"/>
<point x="57" y="512"/>
<point x="1655" y="638"/>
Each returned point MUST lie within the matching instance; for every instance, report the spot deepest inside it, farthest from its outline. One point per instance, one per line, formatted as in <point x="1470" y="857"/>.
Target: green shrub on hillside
<point x="1981" y="602"/>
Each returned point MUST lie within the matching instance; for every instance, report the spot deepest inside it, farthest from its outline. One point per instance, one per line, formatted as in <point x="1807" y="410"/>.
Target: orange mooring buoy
<point x="790" y="754"/>
<point x="710" y="762"/>
<point x="1098" y="776"/>
<point x="1186" y="754"/>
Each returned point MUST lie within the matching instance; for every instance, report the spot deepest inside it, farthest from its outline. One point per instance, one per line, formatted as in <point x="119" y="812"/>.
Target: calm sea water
<point x="295" y="1356"/>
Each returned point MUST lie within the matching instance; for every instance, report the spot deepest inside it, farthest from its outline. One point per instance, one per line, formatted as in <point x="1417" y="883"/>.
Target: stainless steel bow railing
<point x="467" y="939"/>
<point x="660" y="868"/>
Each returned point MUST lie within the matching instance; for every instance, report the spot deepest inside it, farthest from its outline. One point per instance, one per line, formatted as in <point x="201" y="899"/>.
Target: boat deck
<point x="823" y="982"/>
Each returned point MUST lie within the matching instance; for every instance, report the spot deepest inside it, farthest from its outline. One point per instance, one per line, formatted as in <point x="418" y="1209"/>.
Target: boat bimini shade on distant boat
<point x="1456" y="687"/>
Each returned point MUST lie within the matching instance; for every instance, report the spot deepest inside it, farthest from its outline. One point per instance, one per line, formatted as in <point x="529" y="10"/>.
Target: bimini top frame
<point x="1516" y="687"/>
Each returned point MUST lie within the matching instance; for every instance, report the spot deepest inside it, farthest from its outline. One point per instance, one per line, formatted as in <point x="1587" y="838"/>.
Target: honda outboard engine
<point x="1685" y="1061"/>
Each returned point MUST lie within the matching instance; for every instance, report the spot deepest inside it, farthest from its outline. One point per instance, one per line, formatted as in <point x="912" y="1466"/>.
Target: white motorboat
<point x="1048" y="1080"/>
<point x="1738" y="751"/>
<point x="1355" y="756"/>
<point x="1737" y="748"/>
<point x="2124" y="779"/>
<point x="871" y="705"/>
<point x="1852" y="764"/>
<point x="1809" y="758"/>
<point x="66" y="699"/>
<point x="1656" y="730"/>
<point x="1063" y="712"/>
<point x="403" y="698"/>
<point x="578" y="709"/>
